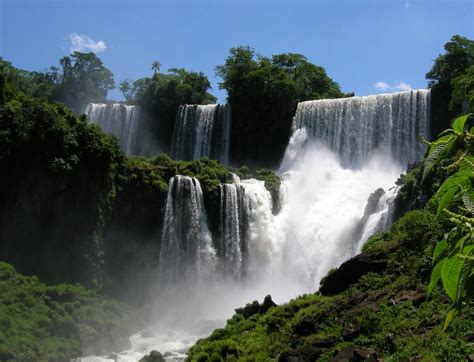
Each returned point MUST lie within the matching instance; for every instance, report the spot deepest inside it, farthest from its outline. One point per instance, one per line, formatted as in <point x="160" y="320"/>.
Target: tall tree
<point x="450" y="72"/>
<point x="263" y="93"/>
<point x="84" y="79"/>
<point x="155" y="66"/>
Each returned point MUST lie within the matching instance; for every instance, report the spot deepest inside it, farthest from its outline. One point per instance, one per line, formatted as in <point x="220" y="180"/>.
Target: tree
<point x="155" y="66"/>
<point x="84" y="79"/>
<point x="264" y="93"/>
<point x="450" y="74"/>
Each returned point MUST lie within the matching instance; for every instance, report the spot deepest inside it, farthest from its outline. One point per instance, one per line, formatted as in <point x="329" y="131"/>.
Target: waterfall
<point x="340" y="152"/>
<point x="356" y="127"/>
<point x="186" y="246"/>
<point x="234" y="214"/>
<point x="202" y="131"/>
<point x="118" y="119"/>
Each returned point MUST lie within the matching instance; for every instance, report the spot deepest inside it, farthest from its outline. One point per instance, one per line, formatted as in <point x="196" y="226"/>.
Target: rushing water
<point x="338" y="189"/>
<point x="202" y="131"/>
<point x="126" y="123"/>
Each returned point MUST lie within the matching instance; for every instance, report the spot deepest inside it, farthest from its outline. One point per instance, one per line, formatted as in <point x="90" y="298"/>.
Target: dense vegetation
<point x="263" y="93"/>
<point x="451" y="83"/>
<point x="376" y="304"/>
<point x="42" y="323"/>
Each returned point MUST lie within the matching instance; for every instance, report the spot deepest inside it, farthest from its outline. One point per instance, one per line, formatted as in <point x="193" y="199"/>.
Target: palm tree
<point x="155" y="66"/>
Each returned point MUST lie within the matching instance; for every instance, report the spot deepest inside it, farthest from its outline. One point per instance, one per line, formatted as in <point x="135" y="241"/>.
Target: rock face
<point x="256" y="308"/>
<point x="351" y="271"/>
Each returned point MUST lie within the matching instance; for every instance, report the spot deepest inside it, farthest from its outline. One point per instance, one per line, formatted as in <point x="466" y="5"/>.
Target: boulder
<point x="351" y="271"/>
<point x="353" y="354"/>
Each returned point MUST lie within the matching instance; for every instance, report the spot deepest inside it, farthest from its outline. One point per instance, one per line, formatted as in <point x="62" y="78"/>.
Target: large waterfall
<point x="356" y="127"/>
<point x="338" y="188"/>
<point x="341" y="151"/>
<point x="202" y="131"/>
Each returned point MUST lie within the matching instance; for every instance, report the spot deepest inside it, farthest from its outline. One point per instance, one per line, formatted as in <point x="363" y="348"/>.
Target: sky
<point x="368" y="47"/>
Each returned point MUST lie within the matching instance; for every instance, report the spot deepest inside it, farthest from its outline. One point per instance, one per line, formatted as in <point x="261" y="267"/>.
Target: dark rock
<point x="325" y="343"/>
<point x="256" y="308"/>
<point x="351" y="271"/>
<point x="153" y="356"/>
<point x="353" y="354"/>
<point x="349" y="331"/>
<point x="305" y="326"/>
<point x="303" y="354"/>
<point x="390" y="342"/>
<point x="410" y="295"/>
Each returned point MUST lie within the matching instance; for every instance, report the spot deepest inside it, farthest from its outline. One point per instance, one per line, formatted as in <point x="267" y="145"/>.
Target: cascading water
<point x="234" y="213"/>
<point x="202" y="131"/>
<point x="341" y="151"/>
<point x="356" y="127"/>
<point x="186" y="246"/>
<point x="118" y="119"/>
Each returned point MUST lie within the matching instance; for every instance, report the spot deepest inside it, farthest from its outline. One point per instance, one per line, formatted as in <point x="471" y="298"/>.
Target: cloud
<point x="403" y="86"/>
<point x="385" y="87"/>
<point x="83" y="43"/>
<point x="407" y="4"/>
<point x="381" y="86"/>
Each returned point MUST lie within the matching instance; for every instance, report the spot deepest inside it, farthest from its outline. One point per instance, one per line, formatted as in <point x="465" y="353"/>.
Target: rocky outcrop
<point x="351" y="271"/>
<point x="256" y="308"/>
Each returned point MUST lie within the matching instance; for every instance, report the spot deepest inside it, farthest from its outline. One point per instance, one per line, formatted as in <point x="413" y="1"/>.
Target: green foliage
<point x="455" y="268"/>
<point x="458" y="57"/>
<point x="460" y="135"/>
<point x="84" y="79"/>
<point x="463" y="91"/>
<point x="39" y="322"/>
<point x="263" y="93"/>
<point x="450" y="81"/>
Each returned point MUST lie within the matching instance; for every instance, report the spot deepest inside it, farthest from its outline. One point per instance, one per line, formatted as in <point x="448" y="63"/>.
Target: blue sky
<point x="366" y="46"/>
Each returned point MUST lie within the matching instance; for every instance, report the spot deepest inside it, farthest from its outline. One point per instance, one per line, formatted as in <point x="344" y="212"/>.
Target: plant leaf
<point x="451" y="275"/>
<point x="440" y="247"/>
<point x="435" y="276"/>
<point x="458" y="124"/>
<point x="452" y="313"/>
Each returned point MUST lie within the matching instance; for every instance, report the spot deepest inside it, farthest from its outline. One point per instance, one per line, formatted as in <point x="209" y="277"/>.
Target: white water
<point x="118" y="119"/>
<point x="126" y="123"/>
<point x="340" y="152"/>
<point x="202" y="131"/>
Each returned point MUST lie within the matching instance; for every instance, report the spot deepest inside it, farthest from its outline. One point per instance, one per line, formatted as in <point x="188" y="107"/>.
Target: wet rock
<point x="351" y="271"/>
<point x="353" y="354"/>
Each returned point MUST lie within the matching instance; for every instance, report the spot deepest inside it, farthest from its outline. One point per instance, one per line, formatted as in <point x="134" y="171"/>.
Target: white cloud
<point x="83" y="43"/>
<point x="381" y="86"/>
<point x="385" y="87"/>
<point x="403" y="86"/>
